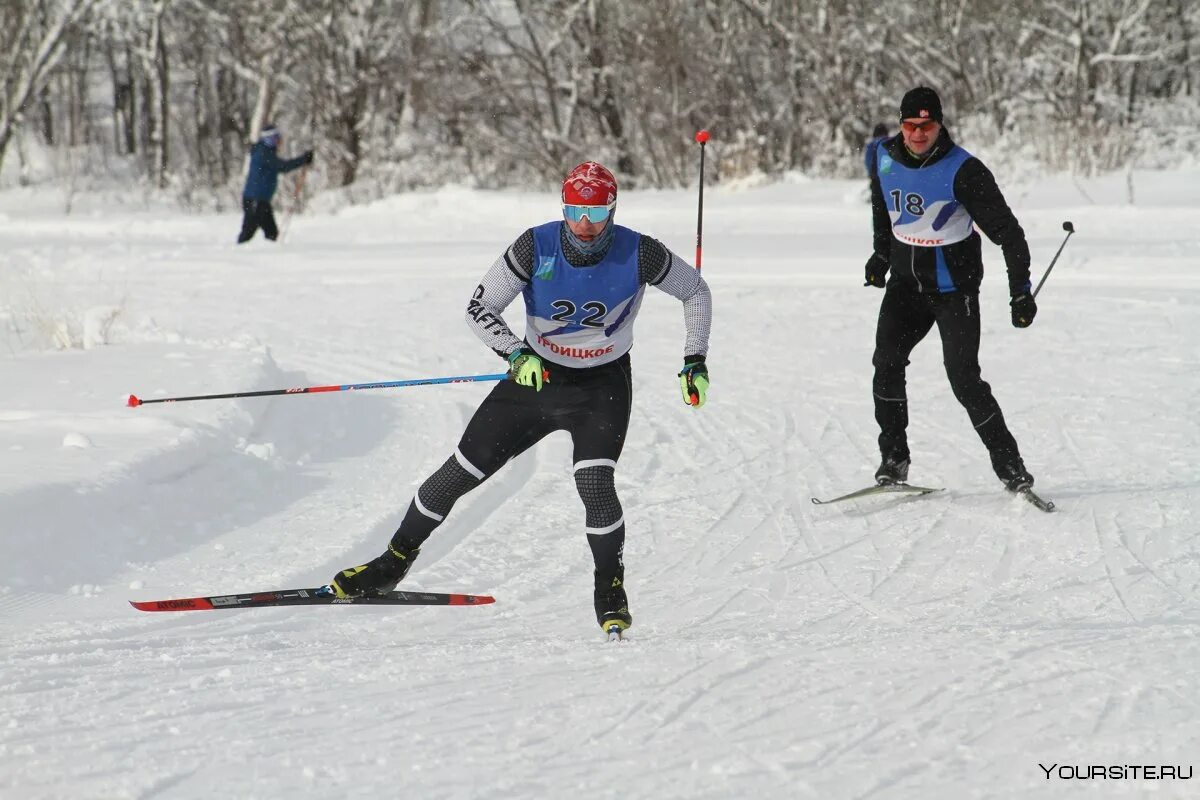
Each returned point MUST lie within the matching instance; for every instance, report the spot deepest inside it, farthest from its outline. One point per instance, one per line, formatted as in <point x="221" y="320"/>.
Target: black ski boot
<point x="892" y="469"/>
<point x="378" y="576"/>
<point x="612" y="607"/>
<point x="1010" y="469"/>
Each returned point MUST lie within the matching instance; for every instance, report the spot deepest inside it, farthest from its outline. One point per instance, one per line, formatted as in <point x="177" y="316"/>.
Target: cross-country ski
<point x="877" y="489"/>
<point x="321" y="595"/>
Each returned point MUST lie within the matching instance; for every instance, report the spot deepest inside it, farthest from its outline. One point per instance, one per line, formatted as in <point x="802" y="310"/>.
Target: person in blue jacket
<point x="929" y="199"/>
<point x="261" y="180"/>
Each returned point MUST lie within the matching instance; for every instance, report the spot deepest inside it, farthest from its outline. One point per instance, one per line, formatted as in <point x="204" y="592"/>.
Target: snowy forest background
<point x="395" y="94"/>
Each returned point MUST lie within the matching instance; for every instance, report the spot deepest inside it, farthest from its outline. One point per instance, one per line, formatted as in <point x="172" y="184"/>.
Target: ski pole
<point x="287" y="223"/>
<point x="1069" y="228"/>
<point x="134" y="401"/>
<point x="702" y="139"/>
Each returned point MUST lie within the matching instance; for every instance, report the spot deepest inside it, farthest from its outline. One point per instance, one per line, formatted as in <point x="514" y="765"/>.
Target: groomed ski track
<point x="925" y="647"/>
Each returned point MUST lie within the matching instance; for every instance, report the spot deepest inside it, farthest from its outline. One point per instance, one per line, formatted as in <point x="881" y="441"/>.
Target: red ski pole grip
<point x="133" y="401"/>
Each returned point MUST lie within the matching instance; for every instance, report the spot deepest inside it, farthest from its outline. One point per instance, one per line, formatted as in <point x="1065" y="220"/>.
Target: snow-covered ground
<point x="940" y="647"/>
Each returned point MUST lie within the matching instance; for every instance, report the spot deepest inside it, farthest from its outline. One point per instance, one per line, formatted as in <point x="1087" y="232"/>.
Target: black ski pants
<point x="257" y="214"/>
<point x="592" y="405"/>
<point x="905" y="317"/>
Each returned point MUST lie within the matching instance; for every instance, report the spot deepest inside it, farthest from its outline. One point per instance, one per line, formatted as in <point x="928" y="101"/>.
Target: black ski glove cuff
<point x="694" y="365"/>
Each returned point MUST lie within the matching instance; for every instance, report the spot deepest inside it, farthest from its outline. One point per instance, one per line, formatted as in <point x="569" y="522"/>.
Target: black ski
<point x="318" y="596"/>
<point x="882" y="488"/>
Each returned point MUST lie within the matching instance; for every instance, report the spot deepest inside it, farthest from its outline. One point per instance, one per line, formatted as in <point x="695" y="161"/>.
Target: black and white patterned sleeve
<point x="661" y="268"/>
<point x="500" y="286"/>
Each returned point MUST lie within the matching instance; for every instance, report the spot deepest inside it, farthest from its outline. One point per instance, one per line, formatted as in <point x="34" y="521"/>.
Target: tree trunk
<point x="604" y="92"/>
<point x="1185" y="54"/>
<point x="417" y="92"/>
<point x="135" y="133"/>
<point x="262" y="105"/>
<point x="157" y="86"/>
<point x="47" y="115"/>
<point x="30" y="67"/>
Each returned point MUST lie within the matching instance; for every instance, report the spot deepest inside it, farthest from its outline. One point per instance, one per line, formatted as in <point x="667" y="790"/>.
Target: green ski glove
<point x="526" y="369"/>
<point x="693" y="381"/>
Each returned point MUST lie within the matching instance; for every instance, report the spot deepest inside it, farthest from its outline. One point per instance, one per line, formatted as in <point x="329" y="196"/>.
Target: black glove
<point x="876" y="271"/>
<point x="308" y="157"/>
<point x="1024" y="309"/>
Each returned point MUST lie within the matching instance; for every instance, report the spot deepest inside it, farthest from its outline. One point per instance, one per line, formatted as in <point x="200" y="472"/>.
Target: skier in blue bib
<point x="928" y="196"/>
<point x="582" y="280"/>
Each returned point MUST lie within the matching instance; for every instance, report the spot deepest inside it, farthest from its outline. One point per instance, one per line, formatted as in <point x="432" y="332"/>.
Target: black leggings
<point x="257" y="214"/>
<point x="593" y="405"/>
<point x="905" y="317"/>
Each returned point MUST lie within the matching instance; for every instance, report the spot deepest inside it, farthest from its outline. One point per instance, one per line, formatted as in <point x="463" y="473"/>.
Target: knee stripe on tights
<point x="606" y="529"/>
<point x="595" y="462"/>
<point x="421" y="507"/>
<point x="467" y="465"/>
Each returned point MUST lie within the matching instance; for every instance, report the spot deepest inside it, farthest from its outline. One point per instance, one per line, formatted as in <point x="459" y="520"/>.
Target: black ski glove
<point x="1024" y="309"/>
<point x="308" y="157"/>
<point x="876" y="271"/>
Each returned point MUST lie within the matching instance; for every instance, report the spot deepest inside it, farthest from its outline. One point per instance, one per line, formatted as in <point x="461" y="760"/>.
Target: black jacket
<point x="976" y="189"/>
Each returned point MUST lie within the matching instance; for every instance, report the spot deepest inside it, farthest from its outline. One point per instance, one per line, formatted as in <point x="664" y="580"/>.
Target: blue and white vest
<point x="582" y="316"/>
<point x="921" y="201"/>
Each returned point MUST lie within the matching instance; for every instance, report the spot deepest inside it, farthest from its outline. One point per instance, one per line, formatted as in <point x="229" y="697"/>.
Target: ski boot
<point x="1011" y="471"/>
<point x="612" y="606"/>
<point x="893" y="469"/>
<point x="377" y="577"/>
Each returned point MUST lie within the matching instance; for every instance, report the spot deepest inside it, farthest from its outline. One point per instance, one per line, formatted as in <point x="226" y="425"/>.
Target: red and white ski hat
<point x="589" y="184"/>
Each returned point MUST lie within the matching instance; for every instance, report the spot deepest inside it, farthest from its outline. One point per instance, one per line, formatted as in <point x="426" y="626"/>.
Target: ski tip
<point x="471" y="599"/>
<point x="186" y="604"/>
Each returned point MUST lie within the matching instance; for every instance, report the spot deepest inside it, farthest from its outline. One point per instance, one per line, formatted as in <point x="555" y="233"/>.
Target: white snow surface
<point x="937" y="647"/>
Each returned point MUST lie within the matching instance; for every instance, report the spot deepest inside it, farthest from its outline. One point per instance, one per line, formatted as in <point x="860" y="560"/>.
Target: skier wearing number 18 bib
<point x="582" y="279"/>
<point x="928" y="195"/>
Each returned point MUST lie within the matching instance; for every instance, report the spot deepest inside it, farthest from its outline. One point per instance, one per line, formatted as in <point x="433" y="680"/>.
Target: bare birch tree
<point x="32" y="36"/>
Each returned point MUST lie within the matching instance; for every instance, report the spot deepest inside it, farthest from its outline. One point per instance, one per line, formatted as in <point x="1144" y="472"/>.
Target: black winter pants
<point x="905" y="316"/>
<point x="257" y="214"/>
<point x="593" y="405"/>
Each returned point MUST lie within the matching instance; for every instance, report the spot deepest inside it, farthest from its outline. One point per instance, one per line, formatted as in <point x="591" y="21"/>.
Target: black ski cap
<point x="921" y="103"/>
